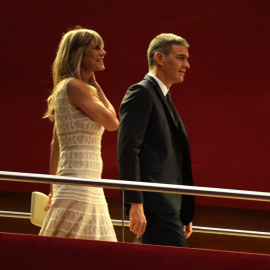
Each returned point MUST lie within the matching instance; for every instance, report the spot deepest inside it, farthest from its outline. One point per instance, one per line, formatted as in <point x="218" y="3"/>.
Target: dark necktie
<point x="168" y="96"/>
<point x="175" y="118"/>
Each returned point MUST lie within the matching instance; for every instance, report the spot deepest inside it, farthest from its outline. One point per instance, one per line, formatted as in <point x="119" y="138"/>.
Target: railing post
<point x="123" y="215"/>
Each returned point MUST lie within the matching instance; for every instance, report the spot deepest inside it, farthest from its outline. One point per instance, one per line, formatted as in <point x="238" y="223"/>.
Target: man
<point x="153" y="147"/>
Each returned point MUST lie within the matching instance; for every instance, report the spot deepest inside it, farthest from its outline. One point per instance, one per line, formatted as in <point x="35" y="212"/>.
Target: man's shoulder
<point x="144" y="86"/>
<point x="148" y="82"/>
<point x="137" y="91"/>
<point x="143" y="91"/>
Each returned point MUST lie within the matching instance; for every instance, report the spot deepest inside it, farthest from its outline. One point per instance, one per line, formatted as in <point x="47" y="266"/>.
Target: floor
<point x="241" y="219"/>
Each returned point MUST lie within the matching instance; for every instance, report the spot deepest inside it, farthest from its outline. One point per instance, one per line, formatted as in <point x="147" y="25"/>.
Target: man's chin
<point x="180" y="80"/>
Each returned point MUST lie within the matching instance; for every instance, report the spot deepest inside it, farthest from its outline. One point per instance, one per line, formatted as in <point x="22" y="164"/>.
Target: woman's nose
<point x="103" y="52"/>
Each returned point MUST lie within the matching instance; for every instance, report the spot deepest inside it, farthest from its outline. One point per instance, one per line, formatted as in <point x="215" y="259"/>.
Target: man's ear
<point x="159" y="58"/>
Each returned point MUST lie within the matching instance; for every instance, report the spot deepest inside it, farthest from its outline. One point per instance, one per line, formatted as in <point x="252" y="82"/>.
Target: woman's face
<point x="93" y="59"/>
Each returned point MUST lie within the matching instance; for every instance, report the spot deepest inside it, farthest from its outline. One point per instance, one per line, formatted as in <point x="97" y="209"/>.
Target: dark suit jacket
<point x="153" y="147"/>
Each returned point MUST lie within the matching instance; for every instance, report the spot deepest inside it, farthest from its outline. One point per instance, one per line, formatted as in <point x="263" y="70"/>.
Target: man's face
<point x="175" y="64"/>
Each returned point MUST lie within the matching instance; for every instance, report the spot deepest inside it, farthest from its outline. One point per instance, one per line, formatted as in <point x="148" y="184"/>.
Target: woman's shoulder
<point x="76" y="87"/>
<point x="74" y="83"/>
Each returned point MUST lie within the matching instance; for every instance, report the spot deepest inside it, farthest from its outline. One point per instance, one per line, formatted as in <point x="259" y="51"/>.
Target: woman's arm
<point x="101" y="95"/>
<point x="54" y="159"/>
<point x="98" y="109"/>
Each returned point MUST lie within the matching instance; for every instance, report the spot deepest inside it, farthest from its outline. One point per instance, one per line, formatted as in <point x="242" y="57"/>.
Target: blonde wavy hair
<point x="68" y="59"/>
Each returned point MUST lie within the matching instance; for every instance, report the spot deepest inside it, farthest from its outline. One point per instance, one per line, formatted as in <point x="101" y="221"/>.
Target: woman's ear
<point x="159" y="58"/>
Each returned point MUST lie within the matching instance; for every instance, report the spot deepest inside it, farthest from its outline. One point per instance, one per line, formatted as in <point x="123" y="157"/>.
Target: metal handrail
<point x="197" y="229"/>
<point x="143" y="186"/>
<point x="12" y="214"/>
<point x="133" y="185"/>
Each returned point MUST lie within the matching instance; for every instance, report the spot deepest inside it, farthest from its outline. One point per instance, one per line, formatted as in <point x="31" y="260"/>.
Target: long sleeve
<point x="135" y="111"/>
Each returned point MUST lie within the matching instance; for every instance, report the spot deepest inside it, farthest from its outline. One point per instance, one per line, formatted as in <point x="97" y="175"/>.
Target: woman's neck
<point x="86" y="75"/>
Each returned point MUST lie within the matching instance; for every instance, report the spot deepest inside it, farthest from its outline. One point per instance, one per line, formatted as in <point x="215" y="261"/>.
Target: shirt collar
<point x="162" y="86"/>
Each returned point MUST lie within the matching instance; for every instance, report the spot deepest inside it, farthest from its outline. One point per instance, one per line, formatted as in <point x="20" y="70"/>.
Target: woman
<point x="80" y="111"/>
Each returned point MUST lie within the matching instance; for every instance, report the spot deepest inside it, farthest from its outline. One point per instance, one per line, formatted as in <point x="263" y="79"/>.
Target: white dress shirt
<point x="162" y="86"/>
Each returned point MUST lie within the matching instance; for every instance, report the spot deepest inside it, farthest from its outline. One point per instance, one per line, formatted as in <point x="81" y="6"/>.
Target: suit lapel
<point x="175" y="117"/>
<point x="161" y="96"/>
<point x="180" y="124"/>
<point x="177" y="121"/>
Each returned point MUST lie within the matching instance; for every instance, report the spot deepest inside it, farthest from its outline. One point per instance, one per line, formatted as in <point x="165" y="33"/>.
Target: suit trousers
<point x="164" y="230"/>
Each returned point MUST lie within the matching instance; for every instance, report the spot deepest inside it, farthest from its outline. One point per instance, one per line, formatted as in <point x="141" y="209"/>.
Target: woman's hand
<point x="93" y="82"/>
<point x="49" y="203"/>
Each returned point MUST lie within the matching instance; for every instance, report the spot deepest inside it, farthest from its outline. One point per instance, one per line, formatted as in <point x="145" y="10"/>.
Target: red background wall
<point x="224" y="100"/>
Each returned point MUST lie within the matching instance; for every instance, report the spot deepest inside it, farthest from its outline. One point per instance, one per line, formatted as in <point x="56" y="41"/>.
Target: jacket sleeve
<point x="135" y="111"/>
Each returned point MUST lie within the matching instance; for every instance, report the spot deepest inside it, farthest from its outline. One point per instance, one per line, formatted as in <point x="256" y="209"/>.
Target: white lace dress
<point x="78" y="211"/>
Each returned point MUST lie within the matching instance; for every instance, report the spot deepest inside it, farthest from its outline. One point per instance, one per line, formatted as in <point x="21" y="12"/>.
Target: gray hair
<point x="163" y="44"/>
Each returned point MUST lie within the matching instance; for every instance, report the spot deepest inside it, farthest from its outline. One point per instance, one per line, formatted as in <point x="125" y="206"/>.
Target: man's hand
<point x="137" y="220"/>
<point x="188" y="230"/>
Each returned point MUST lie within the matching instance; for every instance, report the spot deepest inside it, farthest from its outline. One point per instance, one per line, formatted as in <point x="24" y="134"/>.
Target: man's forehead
<point x="179" y="47"/>
<point x="180" y="50"/>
